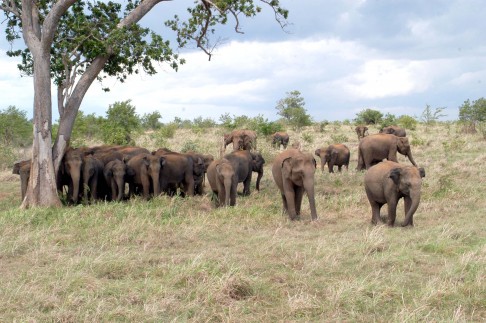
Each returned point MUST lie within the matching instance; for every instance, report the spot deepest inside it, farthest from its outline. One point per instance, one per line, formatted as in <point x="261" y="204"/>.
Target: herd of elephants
<point x="102" y="172"/>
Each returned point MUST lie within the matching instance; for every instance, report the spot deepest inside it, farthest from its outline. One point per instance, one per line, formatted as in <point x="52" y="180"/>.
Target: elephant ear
<point x="318" y="152"/>
<point x="218" y="168"/>
<point x="422" y="172"/>
<point x="395" y="174"/>
<point x="287" y="167"/>
<point x="130" y="171"/>
<point x="145" y="161"/>
<point x="162" y="161"/>
<point x="314" y="162"/>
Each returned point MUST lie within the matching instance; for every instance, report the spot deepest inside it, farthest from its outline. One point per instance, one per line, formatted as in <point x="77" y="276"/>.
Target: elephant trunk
<point x="410" y="211"/>
<point x="309" y="188"/>
<point x="76" y="181"/>
<point x="227" y="190"/>
<point x="155" y="181"/>
<point x="86" y="177"/>
<point x="120" y="183"/>
<point x="409" y="155"/>
<point x="260" y="175"/>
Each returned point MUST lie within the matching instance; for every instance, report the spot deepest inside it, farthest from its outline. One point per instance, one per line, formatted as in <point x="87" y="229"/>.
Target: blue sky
<point x="344" y="56"/>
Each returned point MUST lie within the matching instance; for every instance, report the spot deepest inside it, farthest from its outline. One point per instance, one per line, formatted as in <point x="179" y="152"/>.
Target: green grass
<point x="182" y="260"/>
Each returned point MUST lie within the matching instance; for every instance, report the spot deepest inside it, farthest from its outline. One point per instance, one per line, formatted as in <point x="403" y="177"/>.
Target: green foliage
<point x="151" y="120"/>
<point x="407" y="122"/>
<point x="15" y="129"/>
<point x="416" y="141"/>
<point x="292" y="110"/>
<point x="167" y="130"/>
<point x="7" y="156"/>
<point x="190" y="146"/>
<point x="368" y="116"/>
<point x="321" y="126"/>
<point x="121" y="121"/>
<point x="201" y="122"/>
<point x="307" y="137"/>
<point x="337" y="139"/>
<point x="388" y="120"/>
<point x="259" y="124"/>
<point x="430" y="117"/>
<point x="86" y="128"/>
<point x="471" y="114"/>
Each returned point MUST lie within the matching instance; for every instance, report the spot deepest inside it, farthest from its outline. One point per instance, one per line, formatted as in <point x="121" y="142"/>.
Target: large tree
<point x="73" y="41"/>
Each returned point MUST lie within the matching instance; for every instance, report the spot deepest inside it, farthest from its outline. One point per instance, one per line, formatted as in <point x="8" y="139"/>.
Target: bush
<point x="368" y="116"/>
<point x="407" y="122"/>
<point x="15" y="128"/>
<point x="189" y="146"/>
<point x="388" y="120"/>
<point x="337" y="139"/>
<point x="307" y="137"/>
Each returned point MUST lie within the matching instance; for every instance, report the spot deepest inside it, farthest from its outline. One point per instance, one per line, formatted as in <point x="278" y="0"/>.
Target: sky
<point x="343" y="56"/>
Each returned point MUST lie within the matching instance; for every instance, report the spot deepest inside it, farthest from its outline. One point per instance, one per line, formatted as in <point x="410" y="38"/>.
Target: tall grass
<point x="174" y="259"/>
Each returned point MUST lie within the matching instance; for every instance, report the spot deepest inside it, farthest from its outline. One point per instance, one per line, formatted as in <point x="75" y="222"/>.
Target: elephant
<point x="178" y="172"/>
<point x="293" y="172"/>
<point x="115" y="173"/>
<point x="92" y="177"/>
<point x="70" y="173"/>
<point x="130" y="151"/>
<point x="374" y="148"/>
<point x="201" y="164"/>
<point x="280" y="138"/>
<point x="241" y="139"/>
<point x="243" y="164"/>
<point x="387" y="183"/>
<point x="394" y="130"/>
<point x="337" y="154"/>
<point x="145" y="170"/>
<point x="361" y="131"/>
<point x="257" y="167"/>
<point x="223" y="181"/>
<point x="22" y="168"/>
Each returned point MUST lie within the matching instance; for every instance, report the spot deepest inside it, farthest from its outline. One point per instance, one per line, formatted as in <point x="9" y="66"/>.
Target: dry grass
<point x="182" y="260"/>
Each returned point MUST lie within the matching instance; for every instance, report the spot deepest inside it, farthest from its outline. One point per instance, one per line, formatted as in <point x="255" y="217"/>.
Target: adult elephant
<point x="361" y="131"/>
<point x="337" y="154"/>
<point x="22" y="168"/>
<point x="243" y="165"/>
<point x="394" y="130"/>
<point x="115" y="173"/>
<point x="280" y="138"/>
<point x="293" y="172"/>
<point x="374" y="148"/>
<point x="70" y="173"/>
<point x="241" y="139"/>
<point x="178" y="172"/>
<point x="93" y="179"/>
<point x="145" y="170"/>
<point x="387" y="183"/>
<point x="223" y="181"/>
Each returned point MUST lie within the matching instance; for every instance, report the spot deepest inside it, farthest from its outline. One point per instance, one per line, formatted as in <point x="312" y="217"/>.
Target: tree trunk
<point x="42" y="190"/>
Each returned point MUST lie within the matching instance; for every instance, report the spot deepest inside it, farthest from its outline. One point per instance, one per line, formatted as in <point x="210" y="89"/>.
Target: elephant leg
<point x="392" y="211"/>
<point x="94" y="188"/>
<point x="340" y="168"/>
<point x="290" y="197"/>
<point x="375" y="212"/>
<point x="246" y="185"/>
<point x="284" y="203"/>
<point x="408" y="204"/>
<point x="299" y="194"/>
<point x="233" y="193"/>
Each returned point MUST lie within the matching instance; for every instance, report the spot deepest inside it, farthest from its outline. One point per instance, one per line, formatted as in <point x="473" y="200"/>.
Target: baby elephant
<point x="386" y="183"/>
<point x="337" y="154"/>
<point x="223" y="181"/>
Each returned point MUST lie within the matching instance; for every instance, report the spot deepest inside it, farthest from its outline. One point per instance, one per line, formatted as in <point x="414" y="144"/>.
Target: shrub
<point x="368" y="116"/>
<point x="338" y="139"/>
<point x="407" y="122"/>
<point x="307" y="137"/>
<point x="189" y="146"/>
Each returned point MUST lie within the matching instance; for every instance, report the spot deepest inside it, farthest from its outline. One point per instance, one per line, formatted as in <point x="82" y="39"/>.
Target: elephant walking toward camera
<point x="361" y="131"/>
<point x="280" y="138"/>
<point x="387" y="183"/>
<point x="337" y="154"/>
<point x="293" y="172"/>
<point x="223" y="181"/>
<point x="373" y="149"/>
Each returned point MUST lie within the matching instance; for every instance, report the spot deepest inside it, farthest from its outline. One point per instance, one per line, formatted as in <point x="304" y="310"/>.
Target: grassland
<point x="173" y="259"/>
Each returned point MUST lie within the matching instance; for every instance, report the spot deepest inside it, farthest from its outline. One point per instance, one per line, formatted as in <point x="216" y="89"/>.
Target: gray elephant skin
<point x="394" y="130"/>
<point x="374" y="148"/>
<point x="293" y="172"/>
<point x="223" y="181"/>
<point x="334" y="155"/>
<point x="387" y="183"/>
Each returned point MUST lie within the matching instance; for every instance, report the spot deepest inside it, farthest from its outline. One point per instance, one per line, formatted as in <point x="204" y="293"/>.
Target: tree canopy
<point x="292" y="110"/>
<point x="75" y="42"/>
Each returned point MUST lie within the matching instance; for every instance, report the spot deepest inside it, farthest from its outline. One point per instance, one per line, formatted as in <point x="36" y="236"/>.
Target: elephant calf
<point x="223" y="181"/>
<point x="386" y="183"/>
<point x="337" y="154"/>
